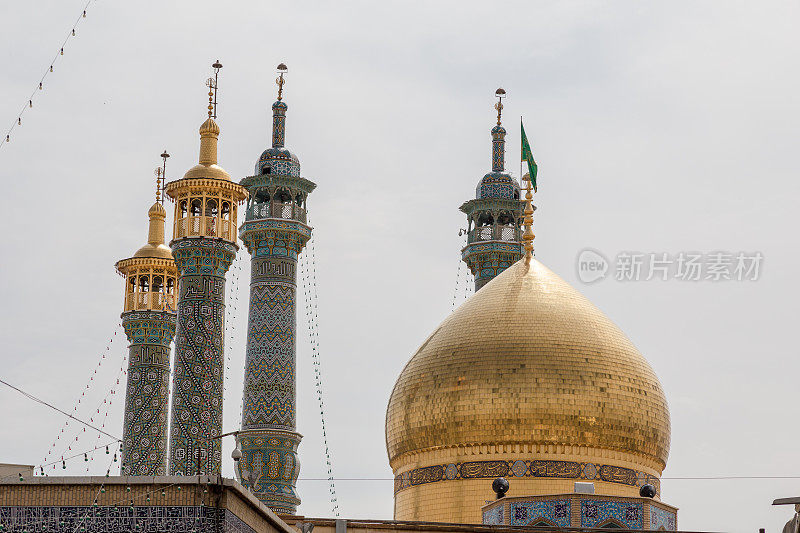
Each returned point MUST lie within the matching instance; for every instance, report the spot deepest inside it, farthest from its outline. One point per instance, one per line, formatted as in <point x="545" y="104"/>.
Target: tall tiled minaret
<point x="149" y="320"/>
<point x="494" y="236"/>
<point x="204" y="244"/>
<point x="274" y="232"/>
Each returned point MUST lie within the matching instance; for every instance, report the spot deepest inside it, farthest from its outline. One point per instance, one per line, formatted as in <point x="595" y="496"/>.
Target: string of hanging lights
<point x="308" y="274"/>
<point x="39" y="470"/>
<point x="458" y="277"/>
<point x="231" y="312"/>
<point x="108" y="401"/>
<point x="40" y="86"/>
<point x="104" y="355"/>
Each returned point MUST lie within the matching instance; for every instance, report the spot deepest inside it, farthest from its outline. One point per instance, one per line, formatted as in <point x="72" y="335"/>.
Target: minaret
<point x="274" y="232"/>
<point x="204" y="244"/>
<point x="494" y="237"/>
<point x="148" y="317"/>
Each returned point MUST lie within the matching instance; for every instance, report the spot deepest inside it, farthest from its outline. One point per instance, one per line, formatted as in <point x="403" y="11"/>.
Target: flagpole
<point x="521" y="165"/>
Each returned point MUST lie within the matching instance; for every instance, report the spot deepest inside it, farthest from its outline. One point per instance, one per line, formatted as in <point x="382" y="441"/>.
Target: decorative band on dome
<point x="528" y="468"/>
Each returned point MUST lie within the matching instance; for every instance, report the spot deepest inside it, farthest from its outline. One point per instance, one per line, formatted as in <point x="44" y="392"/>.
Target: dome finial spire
<point x="500" y="94"/>
<point x="161" y="178"/>
<point x="282" y="69"/>
<point x="499" y="135"/>
<point x="159" y="175"/>
<point x="279" y="111"/>
<point x="213" y="84"/>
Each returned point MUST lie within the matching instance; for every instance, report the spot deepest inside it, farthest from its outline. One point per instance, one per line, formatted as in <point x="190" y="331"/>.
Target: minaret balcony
<point x="287" y="211"/>
<point x="495" y="233"/>
<point x="150" y="301"/>
<point x="203" y="226"/>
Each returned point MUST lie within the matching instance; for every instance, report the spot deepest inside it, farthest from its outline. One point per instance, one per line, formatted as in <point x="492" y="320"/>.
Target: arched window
<point x="158" y="284"/>
<point x="132" y="284"/>
<point x="211" y="208"/>
<point x="182" y="205"/>
<point x="516" y="194"/>
<point x="505" y="218"/>
<point x="226" y="210"/>
<point x="262" y="196"/>
<point x="612" y="524"/>
<point x="266" y="169"/>
<point x="170" y="285"/>
<point x="144" y="283"/>
<point x="283" y="196"/>
<point x="485" y="219"/>
<point x="197" y="207"/>
<point x="299" y="200"/>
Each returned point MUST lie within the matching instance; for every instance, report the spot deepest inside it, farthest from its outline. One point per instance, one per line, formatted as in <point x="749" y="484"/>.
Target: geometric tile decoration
<point x="144" y="433"/>
<point x="663" y="519"/>
<point x="549" y="512"/>
<point x="148" y="317"/>
<point x="627" y="515"/>
<point x="494" y="235"/>
<point x="528" y="468"/>
<point x="493" y="516"/>
<point x="274" y="232"/>
<point x="199" y="355"/>
<point x="580" y="510"/>
<point x="177" y="519"/>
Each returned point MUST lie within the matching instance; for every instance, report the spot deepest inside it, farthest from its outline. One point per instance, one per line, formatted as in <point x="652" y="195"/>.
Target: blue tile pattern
<point x="498" y="148"/>
<point x="486" y="263"/>
<point x="598" y="513"/>
<point x="199" y="355"/>
<point x="554" y="512"/>
<point x="144" y="432"/>
<point x="493" y="516"/>
<point x="278" y="161"/>
<point x="498" y="185"/>
<point x="663" y="519"/>
<point x="270" y="465"/>
<point x="144" y="519"/>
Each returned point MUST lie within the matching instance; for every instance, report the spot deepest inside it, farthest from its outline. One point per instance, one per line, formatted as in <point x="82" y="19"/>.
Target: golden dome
<point x="157" y="210"/>
<point x="209" y="127"/>
<point x="528" y="361"/>
<point x="152" y="250"/>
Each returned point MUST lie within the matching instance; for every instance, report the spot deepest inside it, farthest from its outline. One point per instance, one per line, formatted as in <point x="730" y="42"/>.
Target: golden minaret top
<point x="209" y="136"/>
<point x="151" y="271"/>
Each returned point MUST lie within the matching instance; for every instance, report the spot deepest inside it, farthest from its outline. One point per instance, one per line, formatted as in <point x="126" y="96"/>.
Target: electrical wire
<point x="51" y="406"/>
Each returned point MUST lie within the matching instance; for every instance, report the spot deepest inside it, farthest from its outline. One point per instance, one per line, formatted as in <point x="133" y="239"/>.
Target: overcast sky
<point x="658" y="127"/>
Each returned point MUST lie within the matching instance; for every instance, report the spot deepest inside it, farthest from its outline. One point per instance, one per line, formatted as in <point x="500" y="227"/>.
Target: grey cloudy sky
<point x="658" y="127"/>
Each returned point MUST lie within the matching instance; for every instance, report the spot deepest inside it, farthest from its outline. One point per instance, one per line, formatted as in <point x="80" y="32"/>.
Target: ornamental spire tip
<point x="282" y="69"/>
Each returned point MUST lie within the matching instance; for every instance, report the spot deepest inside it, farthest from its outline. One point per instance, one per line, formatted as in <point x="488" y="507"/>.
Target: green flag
<point x="527" y="156"/>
